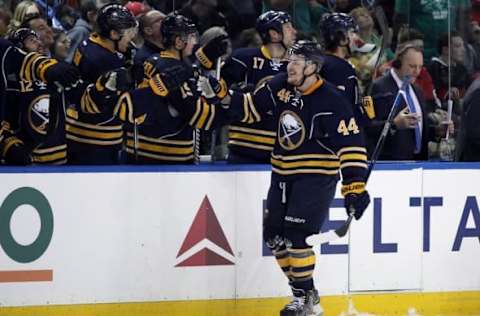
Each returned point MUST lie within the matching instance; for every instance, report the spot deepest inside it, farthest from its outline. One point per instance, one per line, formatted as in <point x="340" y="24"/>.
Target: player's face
<point x="32" y="44"/>
<point x="412" y="63"/>
<point x="289" y="34"/>
<point x="295" y="68"/>
<point x="127" y="36"/>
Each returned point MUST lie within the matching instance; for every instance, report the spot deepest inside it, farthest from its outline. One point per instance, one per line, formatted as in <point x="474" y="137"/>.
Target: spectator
<point x="83" y="27"/>
<point x="5" y="17"/>
<point x="22" y="10"/>
<point x="204" y="14"/>
<point x="401" y="142"/>
<point x="306" y="14"/>
<point x="66" y="16"/>
<point x="45" y="33"/>
<point x="431" y="18"/>
<point x="424" y="80"/>
<point x="61" y="46"/>
<point x="468" y="141"/>
<point x="439" y="68"/>
<point x="365" y="62"/>
<point x="249" y="38"/>
<point x="149" y="27"/>
<point x="137" y="8"/>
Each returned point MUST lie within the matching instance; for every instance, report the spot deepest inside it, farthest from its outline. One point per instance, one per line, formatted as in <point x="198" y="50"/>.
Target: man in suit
<point x="408" y="135"/>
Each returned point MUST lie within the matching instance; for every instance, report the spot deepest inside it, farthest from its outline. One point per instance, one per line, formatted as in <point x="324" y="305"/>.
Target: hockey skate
<point x="313" y="304"/>
<point x="298" y="306"/>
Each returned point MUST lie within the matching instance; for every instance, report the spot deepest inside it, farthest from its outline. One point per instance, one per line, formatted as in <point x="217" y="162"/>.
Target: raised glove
<point x="210" y="52"/>
<point x="62" y="73"/>
<point x="356" y="198"/>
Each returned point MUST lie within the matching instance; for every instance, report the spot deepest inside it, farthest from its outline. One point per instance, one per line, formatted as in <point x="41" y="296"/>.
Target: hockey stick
<point x="340" y="232"/>
<point x="213" y="140"/>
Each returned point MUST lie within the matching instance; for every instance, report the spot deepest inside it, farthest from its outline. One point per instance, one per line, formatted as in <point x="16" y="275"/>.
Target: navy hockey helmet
<point x="114" y="17"/>
<point x="271" y="20"/>
<point x="176" y="25"/>
<point x="334" y="26"/>
<point x="19" y="36"/>
<point x="311" y="50"/>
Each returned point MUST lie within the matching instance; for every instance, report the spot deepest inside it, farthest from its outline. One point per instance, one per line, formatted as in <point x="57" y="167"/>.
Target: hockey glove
<point x="169" y="80"/>
<point x="62" y="73"/>
<point x="118" y="80"/>
<point x="367" y="106"/>
<point x="14" y="152"/>
<point x="210" y="52"/>
<point x="130" y="54"/>
<point x="356" y="198"/>
<point x="212" y="89"/>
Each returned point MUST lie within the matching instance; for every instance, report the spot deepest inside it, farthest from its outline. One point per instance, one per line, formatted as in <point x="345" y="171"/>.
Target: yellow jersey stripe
<point x="50" y="149"/>
<point x="252" y="131"/>
<point x="93" y="134"/>
<point x="94" y="127"/>
<point x="94" y="141"/>
<point x="305" y="163"/>
<point x="160" y="157"/>
<point x="203" y="117"/>
<point x="353" y="157"/>
<point x="304" y="171"/>
<point x="249" y="145"/>
<point x="162" y="141"/>
<point x="346" y="149"/>
<point x="162" y="149"/>
<point x="247" y="137"/>
<point x="305" y="156"/>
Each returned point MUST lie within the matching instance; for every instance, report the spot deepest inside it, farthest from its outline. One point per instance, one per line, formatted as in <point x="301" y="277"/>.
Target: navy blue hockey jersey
<point x="252" y="66"/>
<point x="317" y="133"/>
<point x="91" y="125"/>
<point x="161" y="129"/>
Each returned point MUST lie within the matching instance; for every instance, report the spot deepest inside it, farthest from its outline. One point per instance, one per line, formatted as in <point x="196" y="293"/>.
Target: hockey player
<point x="317" y="136"/>
<point x="31" y="116"/>
<point x="18" y="70"/>
<point x="340" y="38"/>
<point x="253" y="143"/>
<point x="161" y="129"/>
<point x="94" y="135"/>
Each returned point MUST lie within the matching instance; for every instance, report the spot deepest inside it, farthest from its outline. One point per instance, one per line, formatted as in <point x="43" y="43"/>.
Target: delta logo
<point x="205" y="243"/>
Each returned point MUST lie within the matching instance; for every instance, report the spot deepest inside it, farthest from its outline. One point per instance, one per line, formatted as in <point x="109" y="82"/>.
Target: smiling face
<point x="296" y="66"/>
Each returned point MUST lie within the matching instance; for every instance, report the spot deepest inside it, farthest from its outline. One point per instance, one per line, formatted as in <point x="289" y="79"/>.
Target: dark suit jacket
<point x="400" y="144"/>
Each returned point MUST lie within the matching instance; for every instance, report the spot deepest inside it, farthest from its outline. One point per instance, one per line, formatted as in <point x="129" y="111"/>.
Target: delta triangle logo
<point x="205" y="243"/>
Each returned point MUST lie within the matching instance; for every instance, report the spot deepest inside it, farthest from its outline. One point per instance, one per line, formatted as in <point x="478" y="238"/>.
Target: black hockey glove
<point x="15" y="152"/>
<point x="356" y="198"/>
<point x="210" y="52"/>
<point x="62" y="73"/>
<point x="130" y="54"/>
<point x="170" y="79"/>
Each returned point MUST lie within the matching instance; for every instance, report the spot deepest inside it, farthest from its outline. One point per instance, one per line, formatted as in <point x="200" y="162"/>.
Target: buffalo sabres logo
<point x="291" y="130"/>
<point x="38" y="113"/>
<point x="275" y="64"/>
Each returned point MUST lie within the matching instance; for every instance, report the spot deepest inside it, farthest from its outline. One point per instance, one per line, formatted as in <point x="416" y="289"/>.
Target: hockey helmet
<point x="311" y="50"/>
<point x="114" y="17"/>
<point x="333" y="24"/>
<point x="271" y="20"/>
<point x="18" y="37"/>
<point x="176" y="25"/>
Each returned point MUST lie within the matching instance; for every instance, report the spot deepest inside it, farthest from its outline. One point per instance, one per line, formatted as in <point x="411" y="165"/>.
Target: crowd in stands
<point x="439" y="37"/>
